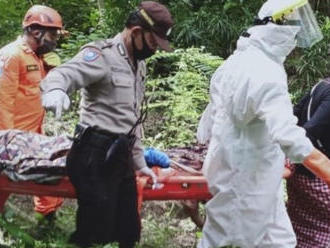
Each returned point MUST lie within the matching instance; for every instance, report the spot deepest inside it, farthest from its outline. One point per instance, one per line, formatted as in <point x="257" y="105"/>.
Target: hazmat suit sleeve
<point x="9" y="82"/>
<point x="86" y="68"/>
<point x="272" y="104"/>
<point x="205" y="125"/>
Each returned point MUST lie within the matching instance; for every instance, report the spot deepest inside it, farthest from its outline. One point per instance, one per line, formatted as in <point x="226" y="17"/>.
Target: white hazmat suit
<point x="251" y="128"/>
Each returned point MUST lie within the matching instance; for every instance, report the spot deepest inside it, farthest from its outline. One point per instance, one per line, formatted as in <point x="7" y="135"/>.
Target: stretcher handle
<point x="186" y="168"/>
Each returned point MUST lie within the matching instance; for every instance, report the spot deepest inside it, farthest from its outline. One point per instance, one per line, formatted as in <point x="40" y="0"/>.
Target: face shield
<point x="301" y="14"/>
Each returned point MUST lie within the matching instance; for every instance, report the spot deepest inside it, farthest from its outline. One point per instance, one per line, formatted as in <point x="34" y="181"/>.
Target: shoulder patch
<point x="90" y="54"/>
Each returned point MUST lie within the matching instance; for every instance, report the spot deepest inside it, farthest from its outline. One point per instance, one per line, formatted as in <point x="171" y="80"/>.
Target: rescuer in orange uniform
<point x="21" y="70"/>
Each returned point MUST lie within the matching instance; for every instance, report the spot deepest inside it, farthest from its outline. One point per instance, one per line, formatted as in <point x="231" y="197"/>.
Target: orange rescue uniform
<point x="21" y="71"/>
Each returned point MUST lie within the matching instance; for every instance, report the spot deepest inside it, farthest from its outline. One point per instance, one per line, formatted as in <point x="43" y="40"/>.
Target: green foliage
<point x="11" y="16"/>
<point x="117" y="12"/>
<point x="214" y="24"/>
<point x="71" y="46"/>
<point x="323" y="6"/>
<point x="77" y="15"/>
<point x="159" y="234"/>
<point x="306" y="67"/>
<point x="23" y="237"/>
<point x="178" y="95"/>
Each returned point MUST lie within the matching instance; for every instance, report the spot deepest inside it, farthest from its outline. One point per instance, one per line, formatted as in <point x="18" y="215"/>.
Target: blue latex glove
<point x="156" y="157"/>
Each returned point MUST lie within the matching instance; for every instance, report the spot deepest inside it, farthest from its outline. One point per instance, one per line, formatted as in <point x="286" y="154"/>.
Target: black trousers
<point x="106" y="191"/>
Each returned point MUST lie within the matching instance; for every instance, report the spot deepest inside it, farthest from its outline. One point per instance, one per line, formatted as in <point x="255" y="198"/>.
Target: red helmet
<point x="43" y="16"/>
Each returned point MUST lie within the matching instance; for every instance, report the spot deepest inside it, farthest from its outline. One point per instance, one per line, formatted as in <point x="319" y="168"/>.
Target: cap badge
<point x="147" y="17"/>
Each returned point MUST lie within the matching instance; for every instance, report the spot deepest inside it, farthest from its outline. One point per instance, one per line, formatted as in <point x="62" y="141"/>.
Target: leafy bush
<point x="306" y="67"/>
<point x="178" y="95"/>
<point x="77" y="15"/>
<point x="215" y="24"/>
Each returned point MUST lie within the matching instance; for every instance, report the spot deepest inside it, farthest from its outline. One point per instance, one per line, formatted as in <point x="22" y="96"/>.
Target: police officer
<point x="107" y="146"/>
<point x="21" y="70"/>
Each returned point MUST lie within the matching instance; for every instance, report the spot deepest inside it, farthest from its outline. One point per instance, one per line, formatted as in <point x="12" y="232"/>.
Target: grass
<point x="163" y="226"/>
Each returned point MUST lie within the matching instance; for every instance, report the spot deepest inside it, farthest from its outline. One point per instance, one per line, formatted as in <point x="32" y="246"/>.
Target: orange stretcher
<point x="174" y="186"/>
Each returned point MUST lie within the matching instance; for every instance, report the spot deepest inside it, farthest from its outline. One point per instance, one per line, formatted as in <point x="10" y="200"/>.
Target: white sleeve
<point x="271" y="103"/>
<point x="205" y="125"/>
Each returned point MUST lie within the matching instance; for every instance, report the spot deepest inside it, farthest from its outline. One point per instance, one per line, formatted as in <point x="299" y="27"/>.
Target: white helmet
<point x="295" y="13"/>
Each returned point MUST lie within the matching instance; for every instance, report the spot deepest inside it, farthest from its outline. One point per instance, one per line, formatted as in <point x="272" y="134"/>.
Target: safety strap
<point x="309" y="110"/>
<point x="264" y="21"/>
<point x="143" y="115"/>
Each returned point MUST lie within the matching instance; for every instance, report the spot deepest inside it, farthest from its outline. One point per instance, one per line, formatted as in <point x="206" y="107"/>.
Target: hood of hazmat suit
<point x="251" y="129"/>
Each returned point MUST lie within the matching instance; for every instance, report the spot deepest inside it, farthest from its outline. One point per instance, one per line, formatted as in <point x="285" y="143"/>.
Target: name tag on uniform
<point x="120" y="70"/>
<point x="32" y="68"/>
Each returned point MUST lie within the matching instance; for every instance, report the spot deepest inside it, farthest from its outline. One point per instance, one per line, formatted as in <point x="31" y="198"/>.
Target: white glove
<point x="56" y="100"/>
<point x="148" y="172"/>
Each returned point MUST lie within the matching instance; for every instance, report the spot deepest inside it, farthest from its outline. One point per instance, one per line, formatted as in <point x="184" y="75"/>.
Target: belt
<point x="95" y="137"/>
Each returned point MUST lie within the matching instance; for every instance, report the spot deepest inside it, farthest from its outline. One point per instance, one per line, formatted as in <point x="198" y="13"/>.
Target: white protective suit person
<point x="251" y="129"/>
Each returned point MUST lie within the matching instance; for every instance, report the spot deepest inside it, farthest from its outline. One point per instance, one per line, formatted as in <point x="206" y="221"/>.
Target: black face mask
<point x="144" y="53"/>
<point x="47" y="47"/>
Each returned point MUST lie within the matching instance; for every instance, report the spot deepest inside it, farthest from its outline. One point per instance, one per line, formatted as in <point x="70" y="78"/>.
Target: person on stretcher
<point x="30" y="156"/>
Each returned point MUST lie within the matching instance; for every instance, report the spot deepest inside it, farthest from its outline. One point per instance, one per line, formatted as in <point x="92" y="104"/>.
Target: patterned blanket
<point x="31" y="156"/>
